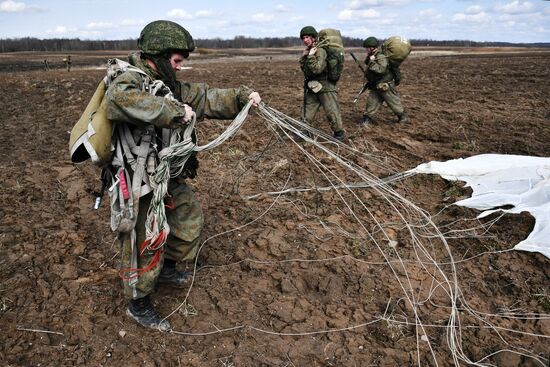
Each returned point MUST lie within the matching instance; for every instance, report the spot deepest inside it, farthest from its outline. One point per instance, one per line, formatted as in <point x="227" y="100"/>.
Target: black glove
<point x="190" y="168"/>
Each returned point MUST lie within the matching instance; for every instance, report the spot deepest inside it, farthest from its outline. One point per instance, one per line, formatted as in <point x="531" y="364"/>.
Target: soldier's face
<point x="308" y="41"/>
<point x="176" y="60"/>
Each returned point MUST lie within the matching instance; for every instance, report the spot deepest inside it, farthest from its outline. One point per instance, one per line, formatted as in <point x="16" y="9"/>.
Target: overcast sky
<point x="483" y="20"/>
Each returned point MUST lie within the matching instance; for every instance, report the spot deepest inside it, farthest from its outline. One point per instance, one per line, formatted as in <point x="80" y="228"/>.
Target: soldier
<point x="382" y="78"/>
<point x="164" y="46"/>
<point x="318" y="89"/>
<point x="68" y="62"/>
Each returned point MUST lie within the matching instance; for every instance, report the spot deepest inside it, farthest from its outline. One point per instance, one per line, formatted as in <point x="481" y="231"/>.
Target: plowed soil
<point x="260" y="296"/>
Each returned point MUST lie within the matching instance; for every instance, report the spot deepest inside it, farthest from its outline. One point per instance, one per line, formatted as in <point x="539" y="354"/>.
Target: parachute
<point x="91" y="135"/>
<point x="396" y="49"/>
<point x="500" y="180"/>
<point x="331" y="40"/>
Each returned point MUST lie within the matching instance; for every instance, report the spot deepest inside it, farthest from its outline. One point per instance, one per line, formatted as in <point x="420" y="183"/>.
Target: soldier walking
<point x="382" y="79"/>
<point x="319" y="90"/>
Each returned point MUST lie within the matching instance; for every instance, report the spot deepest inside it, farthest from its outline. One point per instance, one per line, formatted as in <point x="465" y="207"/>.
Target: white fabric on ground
<point x="498" y="180"/>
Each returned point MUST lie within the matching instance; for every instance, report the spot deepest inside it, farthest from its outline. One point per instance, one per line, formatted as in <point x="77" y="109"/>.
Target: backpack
<point x="331" y="40"/>
<point x="396" y="49"/>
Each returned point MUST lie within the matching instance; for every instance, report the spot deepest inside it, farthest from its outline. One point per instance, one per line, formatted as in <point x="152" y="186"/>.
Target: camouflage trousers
<point x="378" y="96"/>
<point x="185" y="220"/>
<point x="329" y="101"/>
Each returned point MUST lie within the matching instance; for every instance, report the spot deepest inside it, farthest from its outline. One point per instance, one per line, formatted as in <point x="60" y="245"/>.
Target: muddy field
<point x="282" y="281"/>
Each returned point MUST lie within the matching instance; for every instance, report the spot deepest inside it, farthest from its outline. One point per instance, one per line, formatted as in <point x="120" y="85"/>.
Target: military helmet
<point x="370" y="42"/>
<point x="308" y="31"/>
<point x="163" y="35"/>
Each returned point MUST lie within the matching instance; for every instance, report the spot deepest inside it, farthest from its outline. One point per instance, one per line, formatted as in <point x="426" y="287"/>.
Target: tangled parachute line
<point x="422" y="234"/>
<point x="172" y="160"/>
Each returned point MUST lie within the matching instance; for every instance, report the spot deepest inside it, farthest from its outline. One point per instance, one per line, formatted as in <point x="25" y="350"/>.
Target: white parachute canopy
<point x="498" y="180"/>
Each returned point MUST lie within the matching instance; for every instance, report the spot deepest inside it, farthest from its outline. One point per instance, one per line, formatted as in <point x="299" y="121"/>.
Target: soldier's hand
<point x="371" y="58"/>
<point x="306" y="52"/>
<point x="312" y="51"/>
<point x="255" y="98"/>
<point x="189" y="114"/>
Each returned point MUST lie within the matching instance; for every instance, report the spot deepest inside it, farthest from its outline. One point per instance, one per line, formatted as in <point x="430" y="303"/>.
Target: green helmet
<point x="163" y="35"/>
<point x="308" y="31"/>
<point x="370" y="42"/>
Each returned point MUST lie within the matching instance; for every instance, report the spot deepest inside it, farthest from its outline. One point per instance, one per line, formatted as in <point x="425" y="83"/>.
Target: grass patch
<point x="470" y="146"/>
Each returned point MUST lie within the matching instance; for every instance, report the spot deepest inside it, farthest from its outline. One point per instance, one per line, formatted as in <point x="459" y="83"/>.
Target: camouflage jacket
<point x="379" y="70"/>
<point x="130" y="103"/>
<point x="315" y="68"/>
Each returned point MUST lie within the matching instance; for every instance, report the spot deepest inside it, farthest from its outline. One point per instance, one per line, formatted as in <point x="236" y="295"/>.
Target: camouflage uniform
<point x="68" y="62"/>
<point x="380" y="76"/>
<point x="129" y="104"/>
<point x="315" y="69"/>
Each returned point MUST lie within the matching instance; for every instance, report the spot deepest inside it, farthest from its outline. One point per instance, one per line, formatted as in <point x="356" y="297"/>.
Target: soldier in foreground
<point x="319" y="90"/>
<point x="146" y="99"/>
<point x="382" y="78"/>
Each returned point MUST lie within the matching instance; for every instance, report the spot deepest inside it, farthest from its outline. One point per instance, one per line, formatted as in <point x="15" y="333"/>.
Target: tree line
<point x="76" y="44"/>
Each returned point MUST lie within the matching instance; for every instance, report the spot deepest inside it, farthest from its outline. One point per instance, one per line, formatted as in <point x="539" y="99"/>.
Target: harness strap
<point x="128" y="144"/>
<point x="166" y="137"/>
<point x="139" y="170"/>
<point x="120" y="171"/>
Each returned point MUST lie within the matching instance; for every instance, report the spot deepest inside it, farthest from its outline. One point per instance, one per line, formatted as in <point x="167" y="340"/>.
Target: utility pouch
<point x="123" y="213"/>
<point x="315" y="86"/>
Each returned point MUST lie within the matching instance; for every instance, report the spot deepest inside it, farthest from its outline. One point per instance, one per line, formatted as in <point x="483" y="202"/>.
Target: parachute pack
<point x="91" y="135"/>
<point x="396" y="49"/>
<point x="331" y="40"/>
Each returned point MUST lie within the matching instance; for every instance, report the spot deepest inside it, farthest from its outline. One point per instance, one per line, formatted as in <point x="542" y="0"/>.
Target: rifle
<point x="357" y="62"/>
<point x="365" y="87"/>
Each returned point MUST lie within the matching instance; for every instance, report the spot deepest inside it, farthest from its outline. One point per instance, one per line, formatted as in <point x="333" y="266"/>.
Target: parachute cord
<point x="132" y="273"/>
<point x="172" y="160"/>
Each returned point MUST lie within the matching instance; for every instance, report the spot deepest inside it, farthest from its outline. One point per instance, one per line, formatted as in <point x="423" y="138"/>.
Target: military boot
<point x="402" y="118"/>
<point x="365" y="121"/>
<point x="144" y="313"/>
<point x="172" y="276"/>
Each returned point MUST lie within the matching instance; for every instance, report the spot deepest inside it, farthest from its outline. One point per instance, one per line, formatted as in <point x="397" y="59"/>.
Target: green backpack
<point x="331" y="40"/>
<point x="396" y="49"/>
